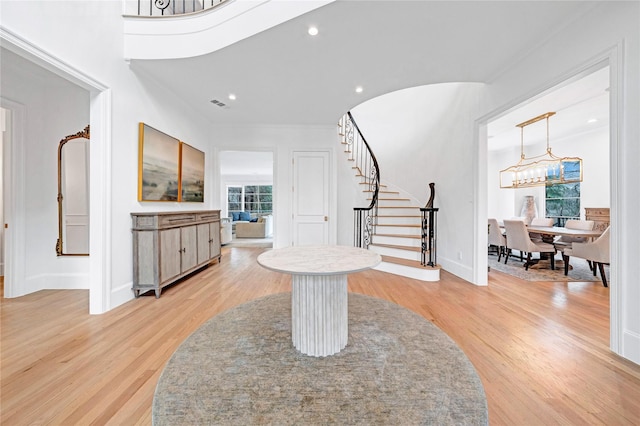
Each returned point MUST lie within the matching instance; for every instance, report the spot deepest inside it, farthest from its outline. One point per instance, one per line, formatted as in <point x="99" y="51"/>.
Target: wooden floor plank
<point x="540" y="348"/>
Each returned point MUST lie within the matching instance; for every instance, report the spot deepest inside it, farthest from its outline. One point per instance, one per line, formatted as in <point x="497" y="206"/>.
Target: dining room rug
<point x="579" y="270"/>
<point x="241" y="368"/>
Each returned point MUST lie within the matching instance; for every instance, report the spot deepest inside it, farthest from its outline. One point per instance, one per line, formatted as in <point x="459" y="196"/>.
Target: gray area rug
<point x="580" y="271"/>
<point x="240" y="368"/>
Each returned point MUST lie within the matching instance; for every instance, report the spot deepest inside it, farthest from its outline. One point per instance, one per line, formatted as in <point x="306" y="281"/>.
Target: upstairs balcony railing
<point x="366" y="165"/>
<point x="157" y="8"/>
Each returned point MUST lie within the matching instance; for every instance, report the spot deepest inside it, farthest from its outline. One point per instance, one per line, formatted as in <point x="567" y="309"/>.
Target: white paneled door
<point x="311" y="183"/>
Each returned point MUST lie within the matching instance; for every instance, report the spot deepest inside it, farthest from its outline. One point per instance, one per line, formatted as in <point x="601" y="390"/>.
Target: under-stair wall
<point x="396" y="223"/>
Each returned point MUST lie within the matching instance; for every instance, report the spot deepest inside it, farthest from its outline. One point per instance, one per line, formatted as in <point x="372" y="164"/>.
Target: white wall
<point x="423" y="135"/>
<point x="5" y="137"/>
<point x="282" y="141"/>
<point x="88" y="35"/>
<point x="592" y="147"/>
<point x="609" y="32"/>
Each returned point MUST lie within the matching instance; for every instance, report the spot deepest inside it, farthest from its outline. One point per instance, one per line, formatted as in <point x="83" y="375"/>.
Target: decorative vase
<point x="529" y="209"/>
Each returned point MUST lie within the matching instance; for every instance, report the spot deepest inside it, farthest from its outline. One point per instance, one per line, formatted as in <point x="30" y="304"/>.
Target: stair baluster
<point x="367" y="166"/>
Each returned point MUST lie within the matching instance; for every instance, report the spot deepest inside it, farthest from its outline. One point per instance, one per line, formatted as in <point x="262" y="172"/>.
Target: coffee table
<point x="319" y="314"/>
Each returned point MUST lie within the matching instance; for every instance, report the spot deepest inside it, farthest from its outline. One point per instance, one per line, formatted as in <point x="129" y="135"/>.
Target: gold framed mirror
<point x="73" y="195"/>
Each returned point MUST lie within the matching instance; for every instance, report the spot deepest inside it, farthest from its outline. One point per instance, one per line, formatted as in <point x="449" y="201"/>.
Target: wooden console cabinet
<point x="600" y="215"/>
<point x="169" y="245"/>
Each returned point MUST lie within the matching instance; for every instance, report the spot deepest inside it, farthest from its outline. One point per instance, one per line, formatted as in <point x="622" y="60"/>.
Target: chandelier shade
<point x="544" y="169"/>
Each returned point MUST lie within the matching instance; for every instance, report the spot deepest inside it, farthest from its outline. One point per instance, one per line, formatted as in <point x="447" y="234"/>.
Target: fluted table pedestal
<point x="319" y="310"/>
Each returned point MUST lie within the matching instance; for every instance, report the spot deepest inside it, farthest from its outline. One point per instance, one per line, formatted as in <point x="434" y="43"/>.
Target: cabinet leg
<point x="158" y="293"/>
<point x="136" y="293"/>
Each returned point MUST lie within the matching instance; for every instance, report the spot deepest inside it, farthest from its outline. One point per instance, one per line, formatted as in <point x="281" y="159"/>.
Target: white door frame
<point x="100" y="175"/>
<point x="614" y="59"/>
<point x="14" y="204"/>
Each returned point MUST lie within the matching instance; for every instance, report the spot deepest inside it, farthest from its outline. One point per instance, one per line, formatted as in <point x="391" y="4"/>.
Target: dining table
<point x="548" y="234"/>
<point x="554" y="231"/>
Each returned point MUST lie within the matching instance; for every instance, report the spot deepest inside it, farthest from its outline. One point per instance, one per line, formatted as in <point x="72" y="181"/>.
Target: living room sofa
<point x="261" y="228"/>
<point x="252" y="226"/>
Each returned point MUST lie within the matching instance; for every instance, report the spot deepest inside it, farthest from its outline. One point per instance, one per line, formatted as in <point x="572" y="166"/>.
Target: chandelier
<point x="544" y="169"/>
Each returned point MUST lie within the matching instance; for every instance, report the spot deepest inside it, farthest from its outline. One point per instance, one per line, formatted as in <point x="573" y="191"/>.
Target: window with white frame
<point x="562" y="201"/>
<point x="256" y="199"/>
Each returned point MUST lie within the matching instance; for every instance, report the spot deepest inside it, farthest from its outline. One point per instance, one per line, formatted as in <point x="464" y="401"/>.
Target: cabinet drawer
<point x="208" y="216"/>
<point x="176" y="219"/>
<point x="599" y="212"/>
<point x="144" y="222"/>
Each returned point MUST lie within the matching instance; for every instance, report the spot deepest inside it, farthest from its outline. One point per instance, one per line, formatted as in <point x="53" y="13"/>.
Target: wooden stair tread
<point x="407" y="262"/>
<point x="371" y="183"/>
<point x="393" y="246"/>
<point x="390" y="199"/>
<point x="398" y="215"/>
<point x="398" y="207"/>
<point x="399" y="236"/>
<point x="397" y="225"/>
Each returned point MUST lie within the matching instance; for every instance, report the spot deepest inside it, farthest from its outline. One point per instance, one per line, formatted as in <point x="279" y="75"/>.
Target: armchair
<point x="597" y="252"/>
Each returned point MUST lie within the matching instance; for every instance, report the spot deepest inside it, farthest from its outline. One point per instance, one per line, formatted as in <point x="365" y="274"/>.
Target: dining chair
<point x="596" y="252"/>
<point x="518" y="239"/>
<point x="542" y="221"/>
<point x="565" y="240"/>
<point x="539" y="221"/>
<point x="496" y="239"/>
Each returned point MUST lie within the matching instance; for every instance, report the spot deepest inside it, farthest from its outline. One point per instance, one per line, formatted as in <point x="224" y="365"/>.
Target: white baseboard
<point x="631" y="346"/>
<point x="121" y="295"/>
<point x="76" y="281"/>
<point x="463" y="271"/>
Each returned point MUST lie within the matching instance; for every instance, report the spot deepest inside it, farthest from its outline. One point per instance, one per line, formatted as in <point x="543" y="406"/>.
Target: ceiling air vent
<point x="217" y="102"/>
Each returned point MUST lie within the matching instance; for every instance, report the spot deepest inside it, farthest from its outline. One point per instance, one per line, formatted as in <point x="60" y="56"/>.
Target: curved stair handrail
<point x="368" y="170"/>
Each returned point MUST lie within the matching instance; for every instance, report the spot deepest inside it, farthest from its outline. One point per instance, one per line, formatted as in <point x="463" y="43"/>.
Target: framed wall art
<point x="158" y="165"/>
<point x="191" y="173"/>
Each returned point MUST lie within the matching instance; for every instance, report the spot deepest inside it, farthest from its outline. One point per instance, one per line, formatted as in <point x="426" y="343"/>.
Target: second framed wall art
<point x="168" y="169"/>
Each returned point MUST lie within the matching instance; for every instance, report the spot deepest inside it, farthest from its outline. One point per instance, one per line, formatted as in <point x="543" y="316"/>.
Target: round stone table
<point x="319" y="321"/>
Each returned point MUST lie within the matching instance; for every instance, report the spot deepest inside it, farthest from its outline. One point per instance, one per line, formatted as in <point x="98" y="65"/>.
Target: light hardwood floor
<point x="540" y="348"/>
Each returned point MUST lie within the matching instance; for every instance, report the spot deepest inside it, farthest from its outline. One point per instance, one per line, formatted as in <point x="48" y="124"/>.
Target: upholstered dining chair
<point x="496" y="239"/>
<point x="540" y="221"/>
<point x="596" y="252"/>
<point x="565" y="241"/>
<point x="518" y="239"/>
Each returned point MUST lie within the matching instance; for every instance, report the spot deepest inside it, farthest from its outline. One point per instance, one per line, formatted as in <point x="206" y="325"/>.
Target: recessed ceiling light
<point x="592" y="120"/>
<point x="232" y="96"/>
<point x="313" y="31"/>
<point x="359" y="89"/>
